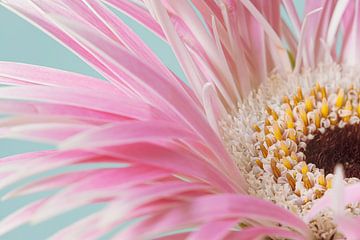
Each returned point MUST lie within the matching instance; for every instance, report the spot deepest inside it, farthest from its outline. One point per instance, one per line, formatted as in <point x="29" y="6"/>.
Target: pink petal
<point x="215" y="230"/>
<point x="105" y="21"/>
<point x="51" y="133"/>
<point x="37" y="75"/>
<point x="46" y="110"/>
<point x="170" y="157"/>
<point x="83" y="98"/>
<point x="138" y="13"/>
<point x="209" y="208"/>
<point x="349" y="226"/>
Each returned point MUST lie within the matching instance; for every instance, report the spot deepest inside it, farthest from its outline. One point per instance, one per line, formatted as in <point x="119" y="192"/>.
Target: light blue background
<point x="21" y="42"/>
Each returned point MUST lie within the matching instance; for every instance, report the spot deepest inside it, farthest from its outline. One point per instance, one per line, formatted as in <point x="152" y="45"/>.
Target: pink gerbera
<point x="247" y="152"/>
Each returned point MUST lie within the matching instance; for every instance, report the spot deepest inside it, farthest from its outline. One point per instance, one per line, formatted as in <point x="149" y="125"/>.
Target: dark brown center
<point x="336" y="146"/>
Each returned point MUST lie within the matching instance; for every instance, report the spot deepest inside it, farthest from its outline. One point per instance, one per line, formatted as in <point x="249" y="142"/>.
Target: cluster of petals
<point x="172" y="173"/>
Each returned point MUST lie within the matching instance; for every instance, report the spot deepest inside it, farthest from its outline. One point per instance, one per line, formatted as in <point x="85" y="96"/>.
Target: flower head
<point x="247" y="151"/>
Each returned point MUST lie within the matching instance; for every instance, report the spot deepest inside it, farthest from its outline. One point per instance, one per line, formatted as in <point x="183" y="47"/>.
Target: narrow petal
<point x="208" y="208"/>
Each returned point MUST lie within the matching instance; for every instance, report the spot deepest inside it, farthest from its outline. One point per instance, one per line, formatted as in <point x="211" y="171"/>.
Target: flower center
<point x="336" y="146"/>
<point x="300" y="142"/>
<point x="287" y="140"/>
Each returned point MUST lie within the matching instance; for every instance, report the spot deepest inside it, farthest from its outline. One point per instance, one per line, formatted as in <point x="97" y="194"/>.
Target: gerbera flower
<point x="247" y="152"/>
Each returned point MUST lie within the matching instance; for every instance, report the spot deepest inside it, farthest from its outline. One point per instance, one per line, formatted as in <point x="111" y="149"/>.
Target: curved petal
<point x="83" y="98"/>
<point x="209" y="208"/>
<point x="36" y="75"/>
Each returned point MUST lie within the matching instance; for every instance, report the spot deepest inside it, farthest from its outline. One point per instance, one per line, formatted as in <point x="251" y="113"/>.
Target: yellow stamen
<point x="313" y="93"/>
<point x="292" y="136"/>
<point x="259" y="163"/>
<point x="267" y="122"/>
<point x="256" y="128"/>
<point x="303" y="116"/>
<point x="268" y="109"/>
<point x="275" y="169"/>
<point x="286" y="100"/>
<point x="317" y="87"/>
<point x="277" y="131"/>
<point x="348" y="106"/>
<point x="340" y="98"/>
<point x="268" y="141"/>
<point x="300" y="94"/>
<point x="304" y="169"/>
<point x="266" y="130"/>
<point x="289" y="122"/>
<point x="289" y="112"/>
<point x="324" y="108"/>
<point x="323" y="92"/>
<point x="287" y="163"/>
<point x="321" y="180"/>
<point x="305" y="130"/>
<point x="358" y="110"/>
<point x="291" y="181"/>
<point x="274" y="115"/>
<point x="306" y="181"/>
<point x="308" y="105"/>
<point x="296" y="100"/>
<point x="277" y="154"/>
<point x="284" y="148"/>
<point x="264" y="151"/>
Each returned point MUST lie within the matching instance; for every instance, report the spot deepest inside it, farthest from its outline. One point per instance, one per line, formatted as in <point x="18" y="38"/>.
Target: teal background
<point x="21" y="42"/>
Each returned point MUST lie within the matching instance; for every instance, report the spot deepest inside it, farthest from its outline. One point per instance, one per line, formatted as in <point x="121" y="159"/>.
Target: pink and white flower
<point x="193" y="162"/>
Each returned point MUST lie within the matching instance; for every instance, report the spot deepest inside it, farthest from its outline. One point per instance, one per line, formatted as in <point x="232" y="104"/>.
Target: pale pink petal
<point x="283" y="60"/>
<point x="215" y="230"/>
<point x="351" y="195"/>
<point x="213" y="108"/>
<point x="171" y="157"/>
<point x="89" y="41"/>
<point x="335" y="21"/>
<point x="209" y="8"/>
<point x="48" y="110"/>
<point x="34" y="14"/>
<point x="151" y="131"/>
<point x="51" y="133"/>
<point x="209" y="208"/>
<point x="166" y="94"/>
<point x="139" y="13"/>
<point x="187" y="14"/>
<point x="351" y="50"/>
<point x="104" y="20"/>
<point x="175" y="172"/>
<point x="83" y="98"/>
<point x="87" y="179"/>
<point x="128" y="206"/>
<point x="51" y="77"/>
<point x="294" y="17"/>
<point x="34" y="163"/>
<point x="301" y="49"/>
<point x="349" y="226"/>
<point x="127" y="132"/>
